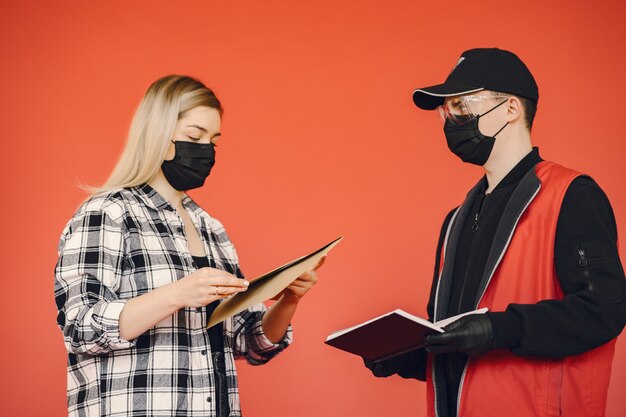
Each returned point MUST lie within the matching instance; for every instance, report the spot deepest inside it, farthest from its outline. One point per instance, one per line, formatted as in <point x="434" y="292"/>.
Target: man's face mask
<point x="191" y="165"/>
<point x="461" y="129"/>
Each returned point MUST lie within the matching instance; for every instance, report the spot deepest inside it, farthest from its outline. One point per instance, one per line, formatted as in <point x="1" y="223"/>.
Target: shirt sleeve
<point x="87" y="277"/>
<point x="589" y="270"/>
<point x="245" y="330"/>
<point x="249" y="339"/>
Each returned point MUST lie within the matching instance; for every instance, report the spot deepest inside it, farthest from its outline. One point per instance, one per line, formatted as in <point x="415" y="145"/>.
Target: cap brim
<point x="429" y="98"/>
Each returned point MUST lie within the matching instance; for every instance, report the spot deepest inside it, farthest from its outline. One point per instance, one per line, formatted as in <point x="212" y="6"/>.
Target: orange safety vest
<point x="520" y="269"/>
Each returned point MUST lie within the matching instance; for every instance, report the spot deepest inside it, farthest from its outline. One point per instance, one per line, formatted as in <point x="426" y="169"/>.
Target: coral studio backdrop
<point x="320" y="139"/>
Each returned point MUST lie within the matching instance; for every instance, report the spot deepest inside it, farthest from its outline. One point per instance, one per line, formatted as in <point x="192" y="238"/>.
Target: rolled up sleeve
<point x="87" y="280"/>
<point x="249" y="339"/>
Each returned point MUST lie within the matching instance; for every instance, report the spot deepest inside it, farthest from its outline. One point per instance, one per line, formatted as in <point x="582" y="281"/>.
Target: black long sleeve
<point x="591" y="275"/>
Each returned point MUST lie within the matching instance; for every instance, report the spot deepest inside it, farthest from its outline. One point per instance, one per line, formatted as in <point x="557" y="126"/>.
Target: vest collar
<point x="521" y="198"/>
<point x="524" y="194"/>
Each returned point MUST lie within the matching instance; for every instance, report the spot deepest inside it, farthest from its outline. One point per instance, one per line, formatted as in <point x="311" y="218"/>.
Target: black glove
<point x="472" y="335"/>
<point x="387" y="367"/>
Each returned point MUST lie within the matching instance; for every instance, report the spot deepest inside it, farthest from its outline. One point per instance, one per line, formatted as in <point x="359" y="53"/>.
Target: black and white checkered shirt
<point x="121" y="245"/>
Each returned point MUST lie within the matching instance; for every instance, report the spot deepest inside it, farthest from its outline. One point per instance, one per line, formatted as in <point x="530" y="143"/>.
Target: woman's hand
<point x="207" y="285"/>
<point x="298" y="288"/>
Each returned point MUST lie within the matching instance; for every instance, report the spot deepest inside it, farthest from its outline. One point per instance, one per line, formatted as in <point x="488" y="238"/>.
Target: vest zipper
<point x="582" y="261"/>
<point x="477" y="216"/>
<point x="474" y="229"/>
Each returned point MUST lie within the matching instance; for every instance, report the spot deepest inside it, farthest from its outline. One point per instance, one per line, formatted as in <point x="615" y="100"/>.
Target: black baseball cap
<point x="481" y="69"/>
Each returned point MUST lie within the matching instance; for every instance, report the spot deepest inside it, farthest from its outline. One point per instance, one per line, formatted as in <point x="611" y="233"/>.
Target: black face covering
<point x="191" y="165"/>
<point x="468" y="143"/>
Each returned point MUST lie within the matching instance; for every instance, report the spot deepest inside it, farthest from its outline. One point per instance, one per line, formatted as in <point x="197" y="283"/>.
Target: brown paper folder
<point x="270" y="284"/>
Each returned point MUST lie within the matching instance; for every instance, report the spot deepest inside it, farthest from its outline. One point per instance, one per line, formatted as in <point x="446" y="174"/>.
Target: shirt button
<point x="179" y="229"/>
<point x="208" y="399"/>
<point x="203" y="352"/>
<point x="199" y="309"/>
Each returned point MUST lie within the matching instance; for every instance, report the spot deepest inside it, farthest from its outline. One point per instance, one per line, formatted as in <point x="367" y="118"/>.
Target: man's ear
<point x="515" y="110"/>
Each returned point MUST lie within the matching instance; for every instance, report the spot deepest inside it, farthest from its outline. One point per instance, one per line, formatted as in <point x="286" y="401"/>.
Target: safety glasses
<point x="461" y="110"/>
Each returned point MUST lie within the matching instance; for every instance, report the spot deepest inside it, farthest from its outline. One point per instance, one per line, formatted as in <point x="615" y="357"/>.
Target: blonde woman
<point x="141" y="267"/>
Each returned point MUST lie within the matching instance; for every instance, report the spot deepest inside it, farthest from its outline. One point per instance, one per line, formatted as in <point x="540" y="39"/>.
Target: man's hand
<point x="388" y="367"/>
<point x="472" y="335"/>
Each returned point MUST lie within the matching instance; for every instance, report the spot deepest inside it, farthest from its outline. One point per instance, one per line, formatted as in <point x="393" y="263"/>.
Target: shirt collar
<point x="154" y="200"/>
<point x="517" y="173"/>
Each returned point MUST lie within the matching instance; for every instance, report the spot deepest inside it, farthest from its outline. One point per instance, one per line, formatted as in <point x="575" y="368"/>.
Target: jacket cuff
<point x="507" y="329"/>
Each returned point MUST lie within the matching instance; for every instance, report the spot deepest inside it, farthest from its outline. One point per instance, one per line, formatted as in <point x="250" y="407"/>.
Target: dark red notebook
<point x="389" y="335"/>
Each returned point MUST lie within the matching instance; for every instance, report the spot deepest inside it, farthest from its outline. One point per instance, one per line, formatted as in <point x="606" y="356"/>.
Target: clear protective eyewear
<point x="459" y="109"/>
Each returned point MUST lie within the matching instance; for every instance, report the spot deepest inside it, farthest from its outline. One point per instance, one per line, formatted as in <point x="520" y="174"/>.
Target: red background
<point x="320" y="139"/>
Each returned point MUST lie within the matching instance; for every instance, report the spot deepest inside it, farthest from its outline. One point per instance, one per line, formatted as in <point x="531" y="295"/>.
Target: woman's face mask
<point x="190" y="166"/>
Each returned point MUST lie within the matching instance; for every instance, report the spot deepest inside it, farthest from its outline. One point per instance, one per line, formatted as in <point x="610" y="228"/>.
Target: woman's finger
<point x="307" y="277"/>
<point x="301" y="284"/>
<point x="224" y="290"/>
<point x="299" y="290"/>
<point x="228" y="281"/>
<point x="320" y="263"/>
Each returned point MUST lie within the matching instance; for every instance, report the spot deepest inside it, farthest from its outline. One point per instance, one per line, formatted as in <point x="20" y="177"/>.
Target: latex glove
<point x="388" y="367"/>
<point x="472" y="335"/>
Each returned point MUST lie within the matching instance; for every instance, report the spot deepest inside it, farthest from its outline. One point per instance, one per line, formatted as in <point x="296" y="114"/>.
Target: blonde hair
<point x="151" y="130"/>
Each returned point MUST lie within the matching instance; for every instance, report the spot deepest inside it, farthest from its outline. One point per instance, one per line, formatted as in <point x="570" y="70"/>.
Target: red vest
<point x="500" y="383"/>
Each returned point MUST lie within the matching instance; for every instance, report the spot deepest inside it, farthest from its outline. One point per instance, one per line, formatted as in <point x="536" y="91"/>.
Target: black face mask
<point x="468" y="143"/>
<point x="191" y="165"/>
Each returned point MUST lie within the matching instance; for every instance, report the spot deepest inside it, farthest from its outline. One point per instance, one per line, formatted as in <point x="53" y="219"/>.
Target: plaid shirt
<point x="121" y="245"/>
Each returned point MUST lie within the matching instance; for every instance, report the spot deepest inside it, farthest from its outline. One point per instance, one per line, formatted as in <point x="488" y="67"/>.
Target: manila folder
<point x="268" y="285"/>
